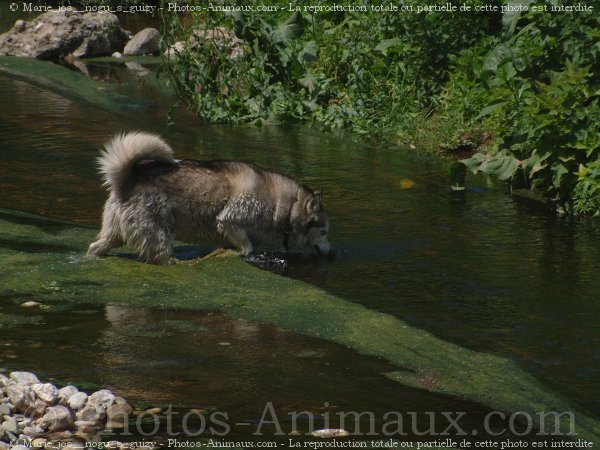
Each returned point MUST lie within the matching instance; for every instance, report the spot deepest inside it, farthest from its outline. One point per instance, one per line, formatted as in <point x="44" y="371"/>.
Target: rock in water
<point x="143" y="43"/>
<point x="330" y="433"/>
<point x="54" y="35"/>
<point x="118" y="415"/>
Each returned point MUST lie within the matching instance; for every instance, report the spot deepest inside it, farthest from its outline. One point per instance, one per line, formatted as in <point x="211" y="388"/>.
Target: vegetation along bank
<point x="515" y="86"/>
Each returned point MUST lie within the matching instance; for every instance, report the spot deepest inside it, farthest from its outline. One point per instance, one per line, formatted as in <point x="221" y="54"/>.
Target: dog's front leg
<point x="237" y="236"/>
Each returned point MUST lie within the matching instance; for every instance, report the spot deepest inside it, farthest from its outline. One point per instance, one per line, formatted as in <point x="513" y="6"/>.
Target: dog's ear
<point x="315" y="202"/>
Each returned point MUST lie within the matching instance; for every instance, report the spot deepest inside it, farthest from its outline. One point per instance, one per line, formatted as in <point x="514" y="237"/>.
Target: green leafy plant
<point x="542" y="87"/>
<point x="377" y="75"/>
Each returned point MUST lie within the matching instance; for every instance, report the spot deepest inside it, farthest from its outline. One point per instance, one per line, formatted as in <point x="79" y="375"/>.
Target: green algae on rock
<point x="43" y="259"/>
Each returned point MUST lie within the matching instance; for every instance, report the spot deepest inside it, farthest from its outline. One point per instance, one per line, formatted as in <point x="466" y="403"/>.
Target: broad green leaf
<point x="290" y="29"/>
<point x="500" y="166"/>
<point x="512" y="15"/>
<point x="386" y="44"/>
<point x="503" y="167"/>
<point x="501" y="54"/>
<point x="309" y="53"/>
<point x="490" y="109"/>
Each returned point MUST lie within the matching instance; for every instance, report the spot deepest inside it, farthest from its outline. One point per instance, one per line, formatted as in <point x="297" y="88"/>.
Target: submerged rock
<point x="54" y="35"/>
<point x="30" y="304"/>
<point x="118" y="415"/>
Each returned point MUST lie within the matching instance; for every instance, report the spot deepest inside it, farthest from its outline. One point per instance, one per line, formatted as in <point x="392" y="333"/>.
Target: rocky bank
<point x="37" y="414"/>
<point x="56" y="35"/>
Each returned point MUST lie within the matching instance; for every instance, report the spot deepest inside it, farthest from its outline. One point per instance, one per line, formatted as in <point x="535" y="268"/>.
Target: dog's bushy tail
<point x="124" y="150"/>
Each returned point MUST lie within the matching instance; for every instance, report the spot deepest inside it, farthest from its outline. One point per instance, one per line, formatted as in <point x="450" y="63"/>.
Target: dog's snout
<point x="332" y="254"/>
<point x="318" y="250"/>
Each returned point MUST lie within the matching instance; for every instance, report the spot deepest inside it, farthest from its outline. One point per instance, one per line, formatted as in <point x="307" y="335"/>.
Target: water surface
<point x="483" y="271"/>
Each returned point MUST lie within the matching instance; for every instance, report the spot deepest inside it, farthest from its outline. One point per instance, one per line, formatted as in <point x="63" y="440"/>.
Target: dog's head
<point x="310" y="224"/>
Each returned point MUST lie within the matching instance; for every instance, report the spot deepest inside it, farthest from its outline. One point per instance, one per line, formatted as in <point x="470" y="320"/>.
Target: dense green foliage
<point x="541" y="89"/>
<point x="372" y="73"/>
<point x="522" y="87"/>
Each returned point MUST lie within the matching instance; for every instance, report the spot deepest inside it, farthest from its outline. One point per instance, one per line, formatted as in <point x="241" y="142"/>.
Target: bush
<point x="376" y="74"/>
<point x="542" y="89"/>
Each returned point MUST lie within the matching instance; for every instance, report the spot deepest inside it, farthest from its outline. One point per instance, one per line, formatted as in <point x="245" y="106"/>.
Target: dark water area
<point x="482" y="270"/>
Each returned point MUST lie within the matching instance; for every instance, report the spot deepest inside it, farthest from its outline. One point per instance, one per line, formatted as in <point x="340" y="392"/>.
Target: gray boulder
<point x="77" y="401"/>
<point x="65" y="393"/>
<point x="96" y="405"/>
<point x="21" y="396"/>
<point x="46" y="392"/>
<point x="118" y="414"/>
<point x="10" y="425"/>
<point x="91" y="413"/>
<point x="103" y="398"/>
<point x="56" y="34"/>
<point x="143" y="43"/>
<point x="4" y="409"/>
<point x="39" y="408"/>
<point x="223" y="38"/>
<point x="24" y="378"/>
<point x="57" y="418"/>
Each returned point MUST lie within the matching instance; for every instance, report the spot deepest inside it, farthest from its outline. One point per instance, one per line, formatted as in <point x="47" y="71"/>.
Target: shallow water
<point x="483" y="271"/>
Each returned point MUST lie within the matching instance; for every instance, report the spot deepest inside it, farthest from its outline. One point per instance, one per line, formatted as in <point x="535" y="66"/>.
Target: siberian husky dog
<point x="155" y="199"/>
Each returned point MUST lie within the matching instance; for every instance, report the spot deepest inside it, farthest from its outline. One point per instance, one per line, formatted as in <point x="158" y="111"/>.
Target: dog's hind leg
<point x="157" y="248"/>
<point x="147" y="224"/>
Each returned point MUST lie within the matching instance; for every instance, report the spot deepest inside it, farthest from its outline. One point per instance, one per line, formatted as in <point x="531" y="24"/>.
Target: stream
<point x="481" y="271"/>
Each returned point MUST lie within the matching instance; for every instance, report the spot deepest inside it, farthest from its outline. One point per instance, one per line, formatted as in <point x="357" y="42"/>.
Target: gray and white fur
<point x="155" y="199"/>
